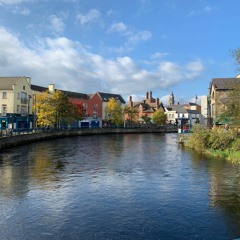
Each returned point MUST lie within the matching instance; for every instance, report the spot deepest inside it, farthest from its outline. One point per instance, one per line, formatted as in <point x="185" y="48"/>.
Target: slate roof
<point x="225" y="83"/>
<point x="6" y="83"/>
<point x="38" y="88"/>
<point x="68" y="93"/>
<point x="106" y="97"/>
<point x="193" y="111"/>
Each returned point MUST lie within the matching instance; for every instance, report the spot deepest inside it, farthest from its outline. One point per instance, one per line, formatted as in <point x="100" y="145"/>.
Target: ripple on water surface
<point x="117" y="187"/>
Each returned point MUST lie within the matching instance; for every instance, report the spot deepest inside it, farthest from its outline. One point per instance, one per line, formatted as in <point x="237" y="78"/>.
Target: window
<point x="23" y="87"/>
<point x="95" y="107"/>
<point x="4" y="95"/>
<point x="18" y="109"/>
<point x="85" y="106"/>
<point x="23" y="98"/>
<point x="4" y="110"/>
<point x="23" y="111"/>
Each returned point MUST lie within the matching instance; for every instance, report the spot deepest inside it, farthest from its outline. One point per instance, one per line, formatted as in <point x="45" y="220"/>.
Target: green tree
<point x="231" y="103"/>
<point x="131" y="114"/>
<point x="114" y="112"/>
<point x="159" y="117"/>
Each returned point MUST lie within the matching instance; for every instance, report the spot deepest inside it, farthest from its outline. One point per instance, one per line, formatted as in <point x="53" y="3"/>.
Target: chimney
<point x="150" y="96"/>
<point x="51" y="88"/>
<point x="130" y="101"/>
<point x="157" y="103"/>
<point x="147" y="96"/>
<point x="28" y="80"/>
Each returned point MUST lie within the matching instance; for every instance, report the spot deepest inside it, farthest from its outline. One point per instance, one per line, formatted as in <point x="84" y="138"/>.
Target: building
<point x="98" y="103"/>
<point x="146" y="107"/>
<point x="16" y="103"/>
<point x="183" y="114"/>
<point x="93" y="104"/>
<point x="219" y="88"/>
<point x="205" y="110"/>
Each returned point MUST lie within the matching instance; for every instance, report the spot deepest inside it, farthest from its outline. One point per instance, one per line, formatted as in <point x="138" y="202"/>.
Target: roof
<point x="6" y="83"/>
<point x="225" y="83"/>
<point x="77" y="95"/>
<point x="106" y="97"/>
<point x="193" y="111"/>
<point x="68" y="93"/>
<point x="38" y="88"/>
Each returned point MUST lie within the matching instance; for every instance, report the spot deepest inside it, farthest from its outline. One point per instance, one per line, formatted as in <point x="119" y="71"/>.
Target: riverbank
<point x="215" y="142"/>
<point x="13" y="141"/>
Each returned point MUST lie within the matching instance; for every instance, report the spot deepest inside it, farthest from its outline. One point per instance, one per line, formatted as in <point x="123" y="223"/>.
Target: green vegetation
<point x="55" y="109"/>
<point x="131" y="115"/>
<point x="114" y="112"/>
<point x="159" y="117"/>
<point x="216" y="141"/>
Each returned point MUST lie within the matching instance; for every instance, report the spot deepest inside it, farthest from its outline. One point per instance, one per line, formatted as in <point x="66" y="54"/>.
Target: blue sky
<point x="127" y="47"/>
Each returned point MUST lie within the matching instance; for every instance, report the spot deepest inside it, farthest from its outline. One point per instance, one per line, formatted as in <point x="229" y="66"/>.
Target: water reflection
<point x="117" y="187"/>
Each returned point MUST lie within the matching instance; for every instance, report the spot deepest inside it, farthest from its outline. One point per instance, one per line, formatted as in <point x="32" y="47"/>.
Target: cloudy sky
<point x="127" y="47"/>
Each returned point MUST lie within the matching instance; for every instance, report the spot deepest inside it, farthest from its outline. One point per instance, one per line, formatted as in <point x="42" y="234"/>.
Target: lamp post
<point x="29" y="97"/>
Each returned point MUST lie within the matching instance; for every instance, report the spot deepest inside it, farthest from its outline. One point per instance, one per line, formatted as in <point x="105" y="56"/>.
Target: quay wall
<point x="12" y="141"/>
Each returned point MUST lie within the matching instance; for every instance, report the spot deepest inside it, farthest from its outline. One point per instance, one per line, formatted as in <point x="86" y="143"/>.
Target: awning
<point x="221" y="120"/>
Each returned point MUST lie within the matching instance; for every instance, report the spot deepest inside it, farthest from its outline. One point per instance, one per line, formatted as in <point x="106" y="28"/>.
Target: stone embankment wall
<point x="12" y="141"/>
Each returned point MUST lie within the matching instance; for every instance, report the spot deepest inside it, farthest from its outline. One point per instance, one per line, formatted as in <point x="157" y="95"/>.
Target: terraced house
<point x="16" y="97"/>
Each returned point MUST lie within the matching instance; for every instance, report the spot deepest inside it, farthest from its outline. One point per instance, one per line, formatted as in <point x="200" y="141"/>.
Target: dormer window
<point x="23" y="87"/>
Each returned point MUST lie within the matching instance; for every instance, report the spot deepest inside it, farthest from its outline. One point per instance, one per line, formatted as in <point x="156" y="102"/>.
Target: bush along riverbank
<point x="219" y="142"/>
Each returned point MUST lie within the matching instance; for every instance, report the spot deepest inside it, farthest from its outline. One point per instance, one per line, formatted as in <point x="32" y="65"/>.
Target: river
<point x="133" y="186"/>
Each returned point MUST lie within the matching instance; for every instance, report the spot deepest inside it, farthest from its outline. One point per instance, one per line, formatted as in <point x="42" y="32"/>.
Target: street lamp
<point x="29" y="97"/>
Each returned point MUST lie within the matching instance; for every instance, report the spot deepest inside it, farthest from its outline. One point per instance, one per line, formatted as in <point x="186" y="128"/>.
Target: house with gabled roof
<point x="179" y="114"/>
<point x="98" y="103"/>
<point x="219" y="88"/>
<point x="146" y="107"/>
<point x="16" y="98"/>
<point x="94" y="104"/>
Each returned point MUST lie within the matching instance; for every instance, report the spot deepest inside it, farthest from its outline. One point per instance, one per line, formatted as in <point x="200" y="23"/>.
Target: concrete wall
<point x="9" y="142"/>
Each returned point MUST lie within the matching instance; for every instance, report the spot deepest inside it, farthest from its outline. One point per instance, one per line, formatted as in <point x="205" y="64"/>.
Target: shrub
<point x="236" y="144"/>
<point x="220" y="139"/>
<point x="198" y="138"/>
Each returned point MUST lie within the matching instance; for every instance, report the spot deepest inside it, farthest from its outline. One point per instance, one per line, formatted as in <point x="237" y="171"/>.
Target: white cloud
<point x="118" y="27"/>
<point x="57" y="24"/>
<point x="132" y="37"/>
<point x="206" y="9"/>
<point x="22" y="11"/>
<point x="90" y="17"/>
<point x="140" y="36"/>
<point x="159" y="55"/>
<point x="71" y="66"/>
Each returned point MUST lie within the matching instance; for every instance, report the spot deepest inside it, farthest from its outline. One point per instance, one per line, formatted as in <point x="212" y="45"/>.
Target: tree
<point x="231" y="103"/>
<point x="146" y="119"/>
<point x="114" y="112"/>
<point x="55" y="109"/>
<point x="132" y="114"/>
<point x="159" y="117"/>
<point x="44" y="110"/>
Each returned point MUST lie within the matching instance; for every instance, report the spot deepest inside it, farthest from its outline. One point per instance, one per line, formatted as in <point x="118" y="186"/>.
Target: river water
<point x="136" y="186"/>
